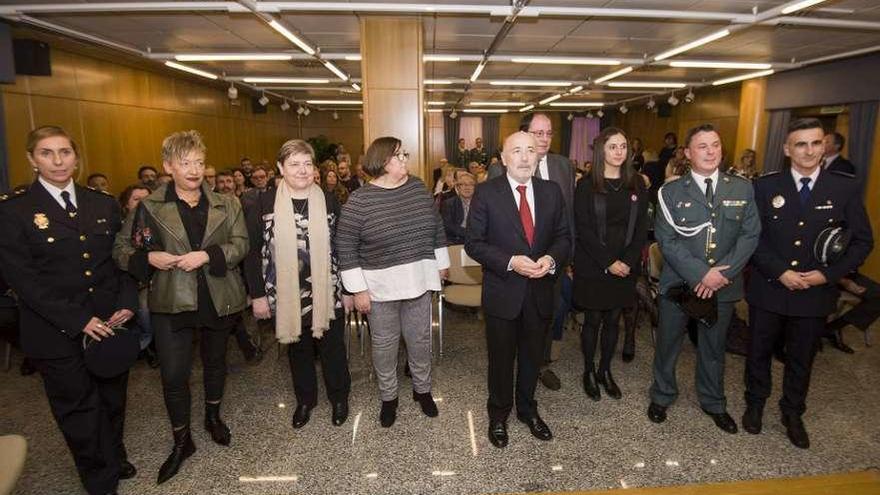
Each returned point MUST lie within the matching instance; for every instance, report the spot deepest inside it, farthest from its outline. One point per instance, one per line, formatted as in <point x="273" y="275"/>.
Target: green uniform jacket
<point x="731" y="239"/>
<point x="225" y="240"/>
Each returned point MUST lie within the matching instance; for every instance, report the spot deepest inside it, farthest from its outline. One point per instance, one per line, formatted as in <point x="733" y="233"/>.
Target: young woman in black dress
<point x="610" y="210"/>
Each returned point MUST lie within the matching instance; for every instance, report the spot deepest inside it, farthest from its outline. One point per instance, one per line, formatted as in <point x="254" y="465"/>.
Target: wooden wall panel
<point x="119" y="114"/>
<point x="871" y="267"/>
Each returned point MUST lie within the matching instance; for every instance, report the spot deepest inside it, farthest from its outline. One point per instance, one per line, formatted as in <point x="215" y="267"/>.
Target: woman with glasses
<point x="392" y="254"/>
<point x="292" y="276"/>
<point x="610" y="210"/>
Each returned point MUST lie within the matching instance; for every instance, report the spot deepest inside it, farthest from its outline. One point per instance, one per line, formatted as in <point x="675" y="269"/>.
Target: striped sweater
<point x="391" y="242"/>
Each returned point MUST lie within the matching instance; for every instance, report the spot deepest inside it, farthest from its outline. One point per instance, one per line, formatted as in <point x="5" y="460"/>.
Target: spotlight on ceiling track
<point x="672" y="100"/>
<point x="264" y="100"/>
<point x="232" y="92"/>
<point x="306" y="112"/>
<point x="590" y="115"/>
<point x="335" y="115"/>
<point x="453" y="114"/>
<point x="651" y="104"/>
<point x="600" y="114"/>
<point x="623" y="108"/>
<point x="285" y="106"/>
<point x="689" y="97"/>
<point x="300" y="110"/>
<point x="570" y="116"/>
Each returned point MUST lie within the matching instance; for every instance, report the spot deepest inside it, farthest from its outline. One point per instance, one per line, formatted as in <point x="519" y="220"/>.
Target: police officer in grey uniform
<point x="707" y="229"/>
<point x="791" y="292"/>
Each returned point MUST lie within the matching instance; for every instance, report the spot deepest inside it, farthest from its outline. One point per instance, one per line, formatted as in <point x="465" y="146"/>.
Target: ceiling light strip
<point x="341" y="75"/>
<point x="578" y="104"/>
<point x="647" y="84"/>
<point x="750" y="75"/>
<point x="277" y="26"/>
<point x="437" y="81"/>
<point x="191" y="70"/>
<point x="284" y="80"/>
<point x="441" y="58"/>
<point x="526" y="82"/>
<point x="527" y="108"/>
<point x="608" y="77"/>
<point x="485" y="110"/>
<point x="334" y="102"/>
<point x="796" y="6"/>
<point x="478" y="71"/>
<point x="549" y="99"/>
<point x="693" y="44"/>
<point x="565" y="60"/>
<point x="223" y="57"/>
<point x="708" y="64"/>
<point x="496" y="104"/>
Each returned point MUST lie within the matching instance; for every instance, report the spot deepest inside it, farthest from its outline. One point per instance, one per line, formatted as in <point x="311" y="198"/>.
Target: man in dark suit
<point x="558" y="169"/>
<point x="833" y="161"/>
<point x="455" y="209"/>
<point x="55" y="253"/>
<point x="518" y="231"/>
<point x="791" y="293"/>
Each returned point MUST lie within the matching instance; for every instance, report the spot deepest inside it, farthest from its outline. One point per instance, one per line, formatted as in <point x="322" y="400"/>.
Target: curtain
<point x="565" y="136"/>
<point x="450" y="136"/>
<point x="862" y="124"/>
<point x="491" y="137"/>
<point x="776" y="129"/>
<point x="471" y="128"/>
<point x="583" y="132"/>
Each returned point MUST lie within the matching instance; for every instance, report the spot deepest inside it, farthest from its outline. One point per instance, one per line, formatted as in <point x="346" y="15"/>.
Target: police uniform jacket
<point x="730" y="240"/>
<point x="789" y="233"/>
<point x="61" y="267"/>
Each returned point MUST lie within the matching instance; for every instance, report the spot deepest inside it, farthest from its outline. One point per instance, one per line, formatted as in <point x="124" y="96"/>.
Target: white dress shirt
<point x="701" y="181"/>
<point x="530" y="194"/>
<point x="55" y="192"/>
<point x="797" y="178"/>
<point x="543" y="172"/>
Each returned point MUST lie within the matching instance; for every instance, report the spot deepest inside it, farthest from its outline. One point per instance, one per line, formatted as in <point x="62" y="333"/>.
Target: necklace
<point x="611" y="185"/>
<point x="301" y="212"/>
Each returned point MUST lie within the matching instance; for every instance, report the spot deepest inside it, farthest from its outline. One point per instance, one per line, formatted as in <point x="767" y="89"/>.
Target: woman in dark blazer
<point x="610" y="209"/>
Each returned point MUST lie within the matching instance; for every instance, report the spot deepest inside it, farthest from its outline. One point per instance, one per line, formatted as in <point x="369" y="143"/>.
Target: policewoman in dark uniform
<point x="55" y="253"/>
<point x="791" y="293"/>
<point x="707" y="228"/>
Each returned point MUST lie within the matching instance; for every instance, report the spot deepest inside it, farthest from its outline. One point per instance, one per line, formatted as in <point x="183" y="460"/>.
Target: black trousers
<point x="801" y="336"/>
<point x="521" y="339"/>
<point x="174" y="348"/>
<point x="334" y="365"/>
<point x="608" y="322"/>
<point x="91" y="414"/>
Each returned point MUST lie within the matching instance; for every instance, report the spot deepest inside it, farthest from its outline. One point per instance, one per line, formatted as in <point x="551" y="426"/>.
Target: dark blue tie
<point x="805" y="190"/>
<point x="68" y="204"/>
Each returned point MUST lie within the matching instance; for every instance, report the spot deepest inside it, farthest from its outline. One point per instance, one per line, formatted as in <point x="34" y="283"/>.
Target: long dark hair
<point x="629" y="177"/>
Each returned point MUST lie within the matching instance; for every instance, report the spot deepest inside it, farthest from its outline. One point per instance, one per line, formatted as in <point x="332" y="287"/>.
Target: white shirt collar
<point x="701" y="180"/>
<point x="797" y="177"/>
<point x="55" y="191"/>
<point x="514" y="184"/>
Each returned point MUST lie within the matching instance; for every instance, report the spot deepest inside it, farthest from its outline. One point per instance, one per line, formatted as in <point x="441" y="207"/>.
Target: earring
<point x="36" y="170"/>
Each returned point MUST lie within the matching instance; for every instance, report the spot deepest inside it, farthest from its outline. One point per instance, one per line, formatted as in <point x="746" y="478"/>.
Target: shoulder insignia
<point x="12" y="194"/>
<point x="844" y="174"/>
<point x="738" y="176"/>
<point x="769" y="174"/>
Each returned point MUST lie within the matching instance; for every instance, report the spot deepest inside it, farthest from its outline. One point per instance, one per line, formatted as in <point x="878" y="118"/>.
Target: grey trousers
<point x="388" y="320"/>
<point x="710" y="356"/>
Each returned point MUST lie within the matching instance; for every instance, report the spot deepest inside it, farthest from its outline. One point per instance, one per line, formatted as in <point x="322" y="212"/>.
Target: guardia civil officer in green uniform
<point x="707" y="228"/>
<point x="791" y="291"/>
<point x="55" y="254"/>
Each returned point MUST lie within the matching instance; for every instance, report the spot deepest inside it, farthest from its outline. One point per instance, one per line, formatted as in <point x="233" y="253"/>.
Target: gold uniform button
<point x="712" y="229"/>
<point x="82" y="237"/>
<point x="91" y="289"/>
<point x="794" y="262"/>
<point x="87" y="255"/>
<point x="50" y="240"/>
<point x="712" y="214"/>
<point x="801" y="223"/>
<point x="713" y="245"/>
<point x="88" y="273"/>
<point x="797" y="242"/>
<point x="711" y="261"/>
<point x="830" y="220"/>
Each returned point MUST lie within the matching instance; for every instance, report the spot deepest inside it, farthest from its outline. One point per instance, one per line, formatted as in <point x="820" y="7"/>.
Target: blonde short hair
<point x="47" y="131"/>
<point x="294" y="147"/>
<point x="180" y="144"/>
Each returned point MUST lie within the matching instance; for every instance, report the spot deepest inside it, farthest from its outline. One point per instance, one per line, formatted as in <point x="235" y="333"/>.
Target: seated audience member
<point x="225" y="182"/>
<point x="445" y="189"/>
<point x="98" y="182"/>
<point x="495" y="169"/>
<point x="862" y="315"/>
<point x="455" y="209"/>
<point x="240" y="180"/>
<point x="677" y="157"/>
<point x="332" y="185"/>
<point x="833" y="161"/>
<point x="439" y="170"/>
<point x="478" y="170"/>
<point x="147" y="175"/>
<point x="746" y="166"/>
<point x="211" y="177"/>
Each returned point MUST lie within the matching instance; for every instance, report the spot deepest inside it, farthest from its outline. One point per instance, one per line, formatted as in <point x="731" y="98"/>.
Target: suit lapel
<point x="216" y="217"/>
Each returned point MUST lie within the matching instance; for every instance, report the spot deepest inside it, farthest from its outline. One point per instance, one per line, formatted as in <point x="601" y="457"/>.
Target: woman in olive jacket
<point x="187" y="242"/>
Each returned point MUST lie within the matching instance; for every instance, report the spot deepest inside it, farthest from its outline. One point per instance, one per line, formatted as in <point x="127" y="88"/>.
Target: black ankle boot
<point x="215" y="426"/>
<point x="427" y="402"/>
<point x="591" y="386"/>
<point x="388" y="413"/>
<point x="183" y="448"/>
<point x="607" y="382"/>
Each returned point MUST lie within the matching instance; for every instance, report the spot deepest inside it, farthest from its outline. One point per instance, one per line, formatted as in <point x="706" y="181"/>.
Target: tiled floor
<point x="597" y="445"/>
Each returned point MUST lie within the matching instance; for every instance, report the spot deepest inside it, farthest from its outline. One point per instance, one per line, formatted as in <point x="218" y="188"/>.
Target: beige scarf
<point x="288" y="316"/>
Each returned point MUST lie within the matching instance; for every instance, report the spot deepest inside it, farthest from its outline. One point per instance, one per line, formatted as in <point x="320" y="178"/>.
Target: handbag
<point x="704" y="311"/>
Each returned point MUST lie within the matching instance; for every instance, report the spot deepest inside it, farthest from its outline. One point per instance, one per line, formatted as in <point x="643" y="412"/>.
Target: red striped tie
<point x="525" y="215"/>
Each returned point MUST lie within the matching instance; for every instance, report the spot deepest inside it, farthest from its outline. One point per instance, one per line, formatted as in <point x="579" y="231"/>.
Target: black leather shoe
<point x="537" y="426"/>
<point x="550" y="380"/>
<point x="498" y="433"/>
<point x="127" y="470"/>
<point x="388" y="413"/>
<point x="723" y="421"/>
<point x="215" y="426"/>
<point x="301" y="416"/>
<point x="340" y="412"/>
<point x="835" y="338"/>
<point x="427" y="402"/>
<point x="752" y="420"/>
<point x="657" y="413"/>
<point x="183" y="448"/>
<point x="591" y="386"/>
<point x="797" y="434"/>
<point x="609" y="385"/>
